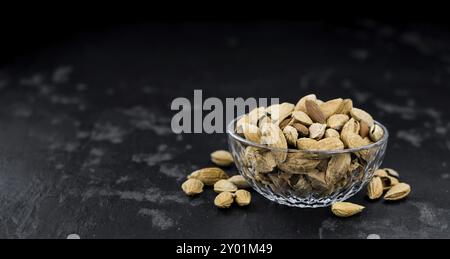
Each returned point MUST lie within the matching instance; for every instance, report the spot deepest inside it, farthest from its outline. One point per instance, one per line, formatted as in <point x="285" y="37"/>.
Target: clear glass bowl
<point x="294" y="182"/>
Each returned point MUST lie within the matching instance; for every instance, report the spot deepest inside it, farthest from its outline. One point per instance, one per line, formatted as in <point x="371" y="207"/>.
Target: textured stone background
<point x="86" y="145"/>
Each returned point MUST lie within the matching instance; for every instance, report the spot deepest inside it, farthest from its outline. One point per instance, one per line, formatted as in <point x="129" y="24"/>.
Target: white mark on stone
<point x="179" y="137"/>
<point x="73" y="236"/>
<point x="445" y="176"/>
<point x="174" y="171"/>
<point x="159" y="218"/>
<point x="411" y="137"/>
<point x="153" y="158"/>
<point x="123" y="179"/>
<point x="62" y="74"/>
<point x="373" y="236"/>
<point x="108" y="132"/>
<point x="34" y="80"/>
<point x="143" y="119"/>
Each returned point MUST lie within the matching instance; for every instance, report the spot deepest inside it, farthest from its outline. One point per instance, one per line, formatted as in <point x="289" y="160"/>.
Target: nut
<point x="331" y="107"/>
<point x="328" y="144"/>
<point x="261" y="160"/>
<point x="346" y="107"/>
<point x="363" y="129"/>
<point x="337" y="121"/>
<point x="306" y="143"/>
<point x="380" y="173"/>
<point x="251" y="132"/>
<point x="302" y="130"/>
<point x="302" y="117"/>
<point x="297" y="163"/>
<point x="331" y="133"/>
<point x="224" y="186"/>
<point x="346" y="209"/>
<point x="239" y="181"/>
<point x="317" y="130"/>
<point x="362" y="116"/>
<point x="243" y="197"/>
<point x="376" y="133"/>
<point x="314" y="112"/>
<point x="224" y="200"/>
<point x="398" y="192"/>
<point x="291" y="135"/>
<point x="192" y="187"/>
<point x="208" y="176"/>
<point x="221" y="158"/>
<point x="279" y="112"/>
<point x="375" y="188"/>
<point x="272" y="136"/>
<point x="337" y="168"/>
<point x="300" y="106"/>
<point x="392" y="172"/>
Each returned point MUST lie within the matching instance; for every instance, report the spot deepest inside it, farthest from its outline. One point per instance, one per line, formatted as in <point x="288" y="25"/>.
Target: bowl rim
<point x="231" y="132"/>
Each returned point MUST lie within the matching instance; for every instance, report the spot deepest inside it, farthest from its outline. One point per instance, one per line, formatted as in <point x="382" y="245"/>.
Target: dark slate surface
<point x="86" y="145"/>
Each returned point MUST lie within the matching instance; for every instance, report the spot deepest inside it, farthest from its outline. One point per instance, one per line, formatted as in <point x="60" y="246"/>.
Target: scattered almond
<point x="192" y="187"/>
<point x="209" y="176"/>
<point x="397" y="192"/>
<point x="222" y="158"/>
<point x="346" y="209"/>
<point x="242" y="197"/>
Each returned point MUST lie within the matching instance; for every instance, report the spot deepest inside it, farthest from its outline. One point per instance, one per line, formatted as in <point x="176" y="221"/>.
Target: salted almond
<point x="300" y="106"/>
<point x="239" y="181"/>
<point x="208" y="176"/>
<point x="251" y="132"/>
<point x="279" y="112"/>
<point x="392" y="172"/>
<point x="256" y="114"/>
<point x="272" y="136"/>
<point x="243" y="197"/>
<point x="351" y="126"/>
<point x="375" y="188"/>
<point x="380" y="173"/>
<point x="328" y="144"/>
<point x="337" y="168"/>
<point x="306" y="143"/>
<point x="317" y="130"/>
<point x="302" y="117"/>
<point x="398" y="192"/>
<point x="376" y="132"/>
<point x="337" y="121"/>
<point x="363" y="129"/>
<point x="362" y="116"/>
<point x="331" y="107"/>
<point x="297" y="163"/>
<point x="314" y="112"/>
<point x="224" y="186"/>
<point x="291" y="135"/>
<point x="331" y="133"/>
<point x="192" y="187"/>
<point x="222" y="158"/>
<point x="302" y="130"/>
<point x="346" y="106"/>
<point x="346" y="209"/>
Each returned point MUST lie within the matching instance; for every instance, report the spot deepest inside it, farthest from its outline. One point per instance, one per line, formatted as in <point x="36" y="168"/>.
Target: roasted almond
<point x="314" y="112"/>
<point x="291" y="135"/>
<point x="375" y="188"/>
<point x="302" y="117"/>
<point x="398" y="192"/>
<point x="300" y="106"/>
<point x="317" y="130"/>
<point x="222" y="158"/>
<point x="337" y="121"/>
<point x="242" y="197"/>
<point x="239" y="181"/>
<point x="328" y="144"/>
<point x="362" y="116"/>
<point x="363" y="129"/>
<point x="209" y="176"/>
<point x="192" y="187"/>
<point x="302" y="130"/>
<point x="272" y="136"/>
<point x="331" y="133"/>
<point x="346" y="209"/>
<point x="306" y="143"/>
<point x="330" y="107"/>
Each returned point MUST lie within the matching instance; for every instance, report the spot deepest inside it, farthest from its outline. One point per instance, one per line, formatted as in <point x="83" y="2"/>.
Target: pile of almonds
<point x="229" y="189"/>
<point x="385" y="181"/>
<point x="311" y="125"/>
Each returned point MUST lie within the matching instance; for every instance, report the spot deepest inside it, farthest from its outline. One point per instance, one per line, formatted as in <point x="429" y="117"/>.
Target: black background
<point x="54" y="183"/>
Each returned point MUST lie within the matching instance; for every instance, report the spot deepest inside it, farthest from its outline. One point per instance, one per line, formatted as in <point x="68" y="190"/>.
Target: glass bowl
<point x="305" y="178"/>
